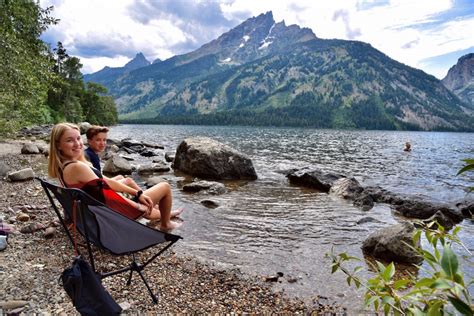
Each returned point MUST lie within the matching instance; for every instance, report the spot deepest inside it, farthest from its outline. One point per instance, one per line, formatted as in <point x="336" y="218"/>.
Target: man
<point x="97" y="140"/>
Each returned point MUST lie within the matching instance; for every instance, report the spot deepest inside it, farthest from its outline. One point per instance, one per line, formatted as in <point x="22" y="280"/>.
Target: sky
<point x="426" y="34"/>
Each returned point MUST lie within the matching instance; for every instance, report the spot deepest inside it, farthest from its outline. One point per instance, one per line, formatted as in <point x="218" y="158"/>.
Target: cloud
<point x="344" y="15"/>
<point x="113" y="31"/>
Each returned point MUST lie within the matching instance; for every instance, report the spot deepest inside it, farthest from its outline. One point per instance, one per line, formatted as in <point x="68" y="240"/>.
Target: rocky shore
<point x="38" y="251"/>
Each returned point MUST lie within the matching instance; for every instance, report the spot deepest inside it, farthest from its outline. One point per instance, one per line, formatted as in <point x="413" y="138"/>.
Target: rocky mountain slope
<point x="460" y="78"/>
<point x="267" y="73"/>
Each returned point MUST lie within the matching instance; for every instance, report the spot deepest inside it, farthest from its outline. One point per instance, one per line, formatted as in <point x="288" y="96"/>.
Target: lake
<point x="267" y="226"/>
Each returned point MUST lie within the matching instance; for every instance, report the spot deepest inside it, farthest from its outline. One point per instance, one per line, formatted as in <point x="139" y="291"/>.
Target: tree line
<point x="40" y="84"/>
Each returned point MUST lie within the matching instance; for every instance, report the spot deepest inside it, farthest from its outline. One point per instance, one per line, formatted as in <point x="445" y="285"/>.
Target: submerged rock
<point x="314" y="178"/>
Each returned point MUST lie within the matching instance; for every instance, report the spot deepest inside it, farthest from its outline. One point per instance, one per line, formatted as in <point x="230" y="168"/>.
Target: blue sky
<point x="426" y="34"/>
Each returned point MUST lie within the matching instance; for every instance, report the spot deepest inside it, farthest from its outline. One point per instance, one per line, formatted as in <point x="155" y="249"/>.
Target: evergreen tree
<point x="24" y="64"/>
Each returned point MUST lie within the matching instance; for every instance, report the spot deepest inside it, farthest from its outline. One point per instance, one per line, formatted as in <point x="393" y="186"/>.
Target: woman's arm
<point x="118" y="186"/>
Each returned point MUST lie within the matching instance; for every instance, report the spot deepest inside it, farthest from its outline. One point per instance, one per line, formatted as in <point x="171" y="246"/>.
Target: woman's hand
<point x="148" y="202"/>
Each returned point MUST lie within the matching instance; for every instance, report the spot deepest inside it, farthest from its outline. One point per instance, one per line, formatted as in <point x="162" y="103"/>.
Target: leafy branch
<point x="442" y="291"/>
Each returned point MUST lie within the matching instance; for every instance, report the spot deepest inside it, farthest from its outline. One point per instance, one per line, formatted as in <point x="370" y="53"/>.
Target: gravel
<point x="31" y="265"/>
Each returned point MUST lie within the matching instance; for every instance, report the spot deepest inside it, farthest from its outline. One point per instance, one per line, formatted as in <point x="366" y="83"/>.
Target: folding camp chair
<point x="107" y="229"/>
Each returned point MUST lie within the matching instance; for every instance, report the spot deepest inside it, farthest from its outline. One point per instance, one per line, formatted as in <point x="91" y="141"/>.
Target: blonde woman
<point x="68" y="164"/>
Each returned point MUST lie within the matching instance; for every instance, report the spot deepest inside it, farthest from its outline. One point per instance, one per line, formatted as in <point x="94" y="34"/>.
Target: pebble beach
<point x="38" y="251"/>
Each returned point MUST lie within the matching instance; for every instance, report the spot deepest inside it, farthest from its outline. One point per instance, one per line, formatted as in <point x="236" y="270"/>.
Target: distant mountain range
<point x="267" y="73"/>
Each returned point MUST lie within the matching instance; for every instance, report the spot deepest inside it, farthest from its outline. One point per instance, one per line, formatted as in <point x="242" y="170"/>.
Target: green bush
<point x="442" y="291"/>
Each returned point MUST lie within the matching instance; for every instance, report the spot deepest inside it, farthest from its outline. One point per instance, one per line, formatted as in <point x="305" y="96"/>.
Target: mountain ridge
<point x="460" y="78"/>
<point x="267" y="73"/>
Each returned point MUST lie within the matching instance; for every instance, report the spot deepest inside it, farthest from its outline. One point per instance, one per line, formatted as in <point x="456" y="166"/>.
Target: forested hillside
<point x="267" y="73"/>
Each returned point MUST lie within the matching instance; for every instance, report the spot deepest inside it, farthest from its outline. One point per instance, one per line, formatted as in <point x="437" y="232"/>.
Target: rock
<point x="129" y="142"/>
<point x="209" y="204"/>
<point x="314" y="178"/>
<point x="148" y="153"/>
<point x="209" y="159"/>
<point x="273" y="278"/>
<point x="367" y="219"/>
<point x="390" y="244"/>
<point x="364" y="201"/>
<point x="125" y="306"/>
<point x="466" y="208"/>
<point x="12" y="304"/>
<point x="30" y="149"/>
<point x="347" y="188"/>
<point x="22" y="217"/>
<point x="155" y="146"/>
<point x="41" y="131"/>
<point x="154" y="180"/>
<point x="49" y="232"/>
<point x="169" y="157"/>
<point x="128" y="158"/>
<point x="153" y="167"/>
<point x="113" y="141"/>
<point x="442" y="219"/>
<point x="211" y="187"/>
<point x="117" y="165"/>
<point x="424" y="210"/>
<point x="31" y="228"/>
<point x="84" y="126"/>
<point x="4" y="169"/>
<point x="21" y="175"/>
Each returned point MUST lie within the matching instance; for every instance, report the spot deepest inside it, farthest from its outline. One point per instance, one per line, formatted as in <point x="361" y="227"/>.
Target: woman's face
<point x="70" y="144"/>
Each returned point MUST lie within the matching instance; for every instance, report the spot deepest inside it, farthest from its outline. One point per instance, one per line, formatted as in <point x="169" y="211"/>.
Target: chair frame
<point x="80" y="197"/>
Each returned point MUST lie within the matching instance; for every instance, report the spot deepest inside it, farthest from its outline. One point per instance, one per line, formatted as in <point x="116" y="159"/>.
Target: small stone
<point x="49" y="232"/>
<point x="125" y="306"/>
<point x="13" y="304"/>
<point x="22" y="217"/>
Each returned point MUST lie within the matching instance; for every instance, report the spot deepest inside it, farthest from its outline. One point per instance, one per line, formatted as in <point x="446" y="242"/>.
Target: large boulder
<point x="117" y="165"/>
<point x="314" y="178"/>
<point x="209" y="159"/>
<point x="391" y="244"/>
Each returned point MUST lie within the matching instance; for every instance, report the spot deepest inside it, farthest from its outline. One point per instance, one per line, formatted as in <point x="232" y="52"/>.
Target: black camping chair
<point x="106" y="229"/>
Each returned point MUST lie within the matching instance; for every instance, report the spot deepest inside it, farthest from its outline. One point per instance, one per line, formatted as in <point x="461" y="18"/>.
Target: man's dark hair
<point x="94" y="130"/>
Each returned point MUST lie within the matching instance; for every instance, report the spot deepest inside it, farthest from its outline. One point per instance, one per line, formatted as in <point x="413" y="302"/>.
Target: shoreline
<point x="31" y="265"/>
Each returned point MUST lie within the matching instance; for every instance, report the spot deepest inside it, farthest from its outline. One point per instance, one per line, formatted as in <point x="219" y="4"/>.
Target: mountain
<point x="107" y="75"/>
<point x="460" y="78"/>
<point x="267" y="73"/>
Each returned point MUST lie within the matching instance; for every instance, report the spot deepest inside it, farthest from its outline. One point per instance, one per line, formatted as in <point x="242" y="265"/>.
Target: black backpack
<point x="85" y="289"/>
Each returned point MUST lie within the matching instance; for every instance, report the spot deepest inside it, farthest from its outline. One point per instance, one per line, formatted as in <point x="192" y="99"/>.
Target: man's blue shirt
<point x="93" y="158"/>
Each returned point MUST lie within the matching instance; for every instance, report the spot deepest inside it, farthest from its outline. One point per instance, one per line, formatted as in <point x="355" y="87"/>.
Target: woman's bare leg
<point x="161" y="195"/>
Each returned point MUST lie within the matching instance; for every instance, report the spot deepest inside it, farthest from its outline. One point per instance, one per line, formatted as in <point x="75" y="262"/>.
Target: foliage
<point x="468" y="167"/>
<point x="441" y="290"/>
<point x="39" y="86"/>
<point x="25" y="69"/>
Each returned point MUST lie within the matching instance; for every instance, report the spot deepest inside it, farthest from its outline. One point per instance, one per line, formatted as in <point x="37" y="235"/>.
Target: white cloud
<point x="406" y="30"/>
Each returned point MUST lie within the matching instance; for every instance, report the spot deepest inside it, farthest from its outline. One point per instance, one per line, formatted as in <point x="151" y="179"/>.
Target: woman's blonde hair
<point x="56" y="158"/>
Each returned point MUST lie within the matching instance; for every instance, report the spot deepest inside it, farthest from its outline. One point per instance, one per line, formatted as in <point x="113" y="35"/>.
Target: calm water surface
<point x="268" y="226"/>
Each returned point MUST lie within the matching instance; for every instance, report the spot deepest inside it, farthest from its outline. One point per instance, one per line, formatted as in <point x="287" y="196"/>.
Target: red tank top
<point x="101" y="191"/>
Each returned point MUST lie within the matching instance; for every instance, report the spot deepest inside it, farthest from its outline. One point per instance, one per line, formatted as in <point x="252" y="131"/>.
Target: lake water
<point x="267" y="226"/>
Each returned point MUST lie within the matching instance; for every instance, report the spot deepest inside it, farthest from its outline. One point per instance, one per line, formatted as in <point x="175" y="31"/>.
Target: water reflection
<point x="268" y="226"/>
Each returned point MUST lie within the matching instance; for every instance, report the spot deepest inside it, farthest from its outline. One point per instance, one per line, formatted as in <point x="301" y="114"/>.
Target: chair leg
<point x="138" y="268"/>
<point x="153" y="297"/>
<point x="130" y="277"/>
